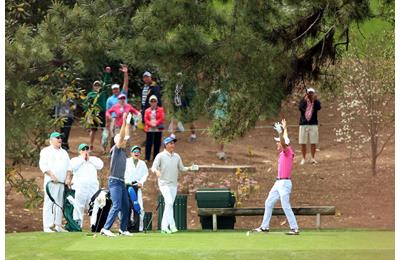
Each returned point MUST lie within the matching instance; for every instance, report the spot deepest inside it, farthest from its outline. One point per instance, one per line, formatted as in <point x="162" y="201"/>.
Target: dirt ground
<point x="361" y="200"/>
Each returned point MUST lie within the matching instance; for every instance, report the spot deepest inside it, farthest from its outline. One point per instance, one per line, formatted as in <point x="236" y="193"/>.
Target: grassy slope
<point x="200" y="245"/>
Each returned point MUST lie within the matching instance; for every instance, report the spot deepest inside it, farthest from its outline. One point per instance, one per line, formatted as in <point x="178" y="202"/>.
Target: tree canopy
<point x="255" y="51"/>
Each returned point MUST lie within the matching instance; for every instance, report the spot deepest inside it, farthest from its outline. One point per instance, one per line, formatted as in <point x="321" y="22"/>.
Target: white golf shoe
<point x="48" y="230"/>
<point x="303" y="161"/>
<point x="313" y="161"/>
<point x="60" y="229"/>
<point x="260" y="229"/>
<point x="166" y="231"/>
<point x="107" y="233"/>
<point x="173" y="229"/>
<point x="125" y="233"/>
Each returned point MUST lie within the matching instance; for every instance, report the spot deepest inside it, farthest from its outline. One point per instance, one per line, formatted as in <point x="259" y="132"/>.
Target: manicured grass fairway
<point x="204" y="245"/>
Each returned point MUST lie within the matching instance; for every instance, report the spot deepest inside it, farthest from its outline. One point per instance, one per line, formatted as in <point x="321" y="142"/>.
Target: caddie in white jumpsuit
<point x="137" y="172"/>
<point x="55" y="164"/>
<point x="167" y="165"/>
<point x="84" y="181"/>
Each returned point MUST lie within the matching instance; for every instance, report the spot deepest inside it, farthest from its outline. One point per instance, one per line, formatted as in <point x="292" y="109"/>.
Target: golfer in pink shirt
<point x="283" y="184"/>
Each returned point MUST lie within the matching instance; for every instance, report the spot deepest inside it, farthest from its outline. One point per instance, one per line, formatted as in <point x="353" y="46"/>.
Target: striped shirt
<point x="144" y="94"/>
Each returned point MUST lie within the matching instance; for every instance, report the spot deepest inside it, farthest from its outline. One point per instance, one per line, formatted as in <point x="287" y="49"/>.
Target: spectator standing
<point x="65" y="110"/>
<point x="154" y="124"/>
<point x="309" y="106"/>
<point x="182" y="98"/>
<point x="113" y="99"/>
<point x="97" y="101"/>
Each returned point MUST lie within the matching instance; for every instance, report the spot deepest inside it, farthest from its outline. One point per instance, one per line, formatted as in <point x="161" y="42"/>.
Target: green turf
<point x="204" y="245"/>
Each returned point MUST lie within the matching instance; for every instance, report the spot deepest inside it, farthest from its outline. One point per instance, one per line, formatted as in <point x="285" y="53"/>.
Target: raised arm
<point x="122" y="142"/>
<point x="124" y="69"/>
<point x="284" y="134"/>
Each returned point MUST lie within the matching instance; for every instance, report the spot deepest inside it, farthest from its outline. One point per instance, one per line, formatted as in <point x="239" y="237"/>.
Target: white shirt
<point x="169" y="164"/>
<point x="85" y="172"/>
<point x="137" y="173"/>
<point x="56" y="161"/>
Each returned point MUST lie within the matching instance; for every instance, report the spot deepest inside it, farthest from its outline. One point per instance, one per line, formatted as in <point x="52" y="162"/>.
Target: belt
<point x="282" y="179"/>
<point x="116" y="178"/>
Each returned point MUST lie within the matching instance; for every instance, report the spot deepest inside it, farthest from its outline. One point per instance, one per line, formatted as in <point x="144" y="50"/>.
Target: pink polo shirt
<point x="285" y="163"/>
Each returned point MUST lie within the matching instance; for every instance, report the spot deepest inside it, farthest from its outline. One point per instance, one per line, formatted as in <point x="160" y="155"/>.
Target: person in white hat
<point x="167" y="166"/>
<point x="283" y="184"/>
<point x="308" y="130"/>
<point x="154" y="124"/>
<point x="55" y="164"/>
<point x="85" y="181"/>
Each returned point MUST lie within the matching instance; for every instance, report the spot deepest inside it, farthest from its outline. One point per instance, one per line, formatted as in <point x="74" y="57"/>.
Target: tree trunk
<point x="374" y="154"/>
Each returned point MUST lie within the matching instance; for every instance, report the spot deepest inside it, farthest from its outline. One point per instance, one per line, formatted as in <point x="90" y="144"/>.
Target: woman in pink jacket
<point x="154" y="124"/>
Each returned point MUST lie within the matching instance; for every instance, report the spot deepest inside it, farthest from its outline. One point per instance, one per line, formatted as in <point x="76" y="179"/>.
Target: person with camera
<point x="308" y="130"/>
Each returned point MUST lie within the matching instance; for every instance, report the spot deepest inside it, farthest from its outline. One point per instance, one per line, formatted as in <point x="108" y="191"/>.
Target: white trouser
<point x="83" y="194"/>
<point x="281" y="189"/>
<point x="140" y="200"/>
<point x="169" y="194"/>
<point x="52" y="214"/>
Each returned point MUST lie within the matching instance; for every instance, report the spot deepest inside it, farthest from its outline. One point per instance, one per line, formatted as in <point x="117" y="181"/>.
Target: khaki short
<point x="308" y="133"/>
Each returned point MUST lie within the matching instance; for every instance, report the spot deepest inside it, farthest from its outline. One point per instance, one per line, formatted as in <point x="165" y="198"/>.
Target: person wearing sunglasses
<point x="85" y="181"/>
<point x="118" y="110"/>
<point x="136" y="175"/>
<point x="55" y="164"/>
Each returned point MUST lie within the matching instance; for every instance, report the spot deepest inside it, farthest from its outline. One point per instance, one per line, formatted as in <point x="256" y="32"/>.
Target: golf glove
<point x="129" y="118"/>
<point x="278" y="128"/>
<point x="194" y="167"/>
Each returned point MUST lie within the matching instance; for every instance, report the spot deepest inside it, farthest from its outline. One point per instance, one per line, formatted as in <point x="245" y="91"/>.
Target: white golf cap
<point x="310" y="90"/>
<point x="113" y="86"/>
<point x="153" y="97"/>
<point x="147" y="74"/>
<point x="287" y="140"/>
<point x="97" y="82"/>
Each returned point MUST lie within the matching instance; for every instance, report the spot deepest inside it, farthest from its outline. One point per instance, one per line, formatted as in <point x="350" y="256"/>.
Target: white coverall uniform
<point x="84" y="182"/>
<point x="139" y="174"/>
<point x="56" y="161"/>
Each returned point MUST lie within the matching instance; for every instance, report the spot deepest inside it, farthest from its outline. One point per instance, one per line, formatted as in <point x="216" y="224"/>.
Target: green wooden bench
<point x="298" y="211"/>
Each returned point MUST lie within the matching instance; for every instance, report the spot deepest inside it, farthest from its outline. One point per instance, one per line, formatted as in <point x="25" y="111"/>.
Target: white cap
<point x="153" y="97"/>
<point x="310" y="90"/>
<point x="113" y="86"/>
<point x="96" y="82"/>
<point x="148" y="74"/>
<point x="287" y="140"/>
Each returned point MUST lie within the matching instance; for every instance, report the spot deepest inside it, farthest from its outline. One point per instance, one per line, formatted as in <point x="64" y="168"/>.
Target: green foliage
<point x="27" y="187"/>
<point x="255" y="51"/>
<point x="366" y="97"/>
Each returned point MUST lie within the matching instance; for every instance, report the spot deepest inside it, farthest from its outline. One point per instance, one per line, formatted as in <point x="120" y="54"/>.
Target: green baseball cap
<point x="55" y="135"/>
<point x="136" y="147"/>
<point x="81" y="146"/>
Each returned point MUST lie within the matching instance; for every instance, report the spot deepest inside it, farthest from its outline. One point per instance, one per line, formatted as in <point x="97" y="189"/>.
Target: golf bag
<point x="99" y="207"/>
<point x="68" y="209"/>
<point x="134" y="209"/>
